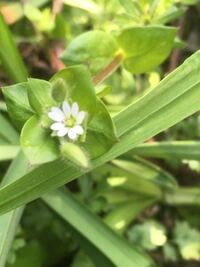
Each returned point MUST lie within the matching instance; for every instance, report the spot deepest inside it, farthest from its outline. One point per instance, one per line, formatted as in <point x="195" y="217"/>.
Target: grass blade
<point x="9" y="221"/>
<point x="177" y="150"/>
<point x="9" y="55"/>
<point x="91" y="227"/>
<point x="8" y="132"/>
<point x="8" y="152"/>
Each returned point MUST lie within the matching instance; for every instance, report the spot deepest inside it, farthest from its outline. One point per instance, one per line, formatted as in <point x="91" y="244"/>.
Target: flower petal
<point x="56" y="114"/>
<point x="72" y="134"/>
<point x="79" y="129"/>
<point x="62" y="132"/>
<point x="74" y="109"/>
<point x="80" y="117"/>
<point x="57" y="126"/>
<point x="66" y="108"/>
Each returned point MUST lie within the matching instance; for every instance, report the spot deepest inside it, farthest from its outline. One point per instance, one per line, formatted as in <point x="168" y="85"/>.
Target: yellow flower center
<point x="70" y="122"/>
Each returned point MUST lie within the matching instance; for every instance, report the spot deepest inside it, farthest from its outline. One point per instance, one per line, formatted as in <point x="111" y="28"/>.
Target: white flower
<point x="67" y="120"/>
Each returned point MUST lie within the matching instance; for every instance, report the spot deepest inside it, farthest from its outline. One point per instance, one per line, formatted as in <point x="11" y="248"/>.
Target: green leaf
<point x="122" y="215"/>
<point x="8" y="132"/>
<point x="8" y="152"/>
<point x="59" y="90"/>
<point x="169" y="15"/>
<point x="148" y="171"/>
<point x="17" y="103"/>
<point x="103" y="90"/>
<point x="177" y="150"/>
<point x="146" y="47"/>
<point x="37" y="142"/>
<point x="173" y="99"/>
<point x="102" y="122"/>
<point x="40" y="95"/>
<point x="115" y="248"/>
<point x="9" y="55"/>
<point x="95" y="49"/>
<point x="101" y="134"/>
<point x="9" y="221"/>
<point x="79" y="86"/>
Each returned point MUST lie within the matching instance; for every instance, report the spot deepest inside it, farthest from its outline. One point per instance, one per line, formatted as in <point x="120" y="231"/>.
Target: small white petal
<point x="62" y="132"/>
<point x="56" y="114"/>
<point x="66" y="108"/>
<point x="74" y="109"/>
<point x="79" y="129"/>
<point x="72" y="134"/>
<point x="57" y="126"/>
<point x="80" y="117"/>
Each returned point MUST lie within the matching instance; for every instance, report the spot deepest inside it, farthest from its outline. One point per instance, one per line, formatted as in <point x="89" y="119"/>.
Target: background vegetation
<point x="145" y="198"/>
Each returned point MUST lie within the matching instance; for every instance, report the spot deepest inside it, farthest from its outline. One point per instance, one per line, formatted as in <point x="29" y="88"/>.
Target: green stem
<point x="108" y="70"/>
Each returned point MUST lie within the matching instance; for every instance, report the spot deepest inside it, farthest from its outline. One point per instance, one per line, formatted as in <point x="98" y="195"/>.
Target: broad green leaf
<point x="8" y="132"/>
<point x="79" y="86"/>
<point x="17" y="103"/>
<point x="102" y="122"/>
<point x="95" y="49"/>
<point x="8" y="152"/>
<point x="96" y="144"/>
<point x="9" y="55"/>
<point x="122" y="215"/>
<point x="40" y="95"/>
<point x="115" y="248"/>
<point x="9" y="221"/>
<point x="173" y="99"/>
<point x="37" y="142"/>
<point x="169" y="150"/>
<point x="59" y="90"/>
<point x="101" y="134"/>
<point x="146" y="47"/>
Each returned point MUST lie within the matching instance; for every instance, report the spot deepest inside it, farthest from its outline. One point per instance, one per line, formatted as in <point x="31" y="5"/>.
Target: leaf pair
<point x="143" y="48"/>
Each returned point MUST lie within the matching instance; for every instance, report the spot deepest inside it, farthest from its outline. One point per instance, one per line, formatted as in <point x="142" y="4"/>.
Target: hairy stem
<point x="108" y="70"/>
